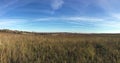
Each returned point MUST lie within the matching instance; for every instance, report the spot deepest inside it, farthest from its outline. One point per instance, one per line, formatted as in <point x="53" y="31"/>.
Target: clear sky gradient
<point x="83" y="16"/>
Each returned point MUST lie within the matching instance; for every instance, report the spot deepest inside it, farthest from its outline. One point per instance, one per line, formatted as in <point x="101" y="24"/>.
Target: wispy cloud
<point x="90" y="19"/>
<point x="99" y="22"/>
<point x="11" y="22"/>
<point x="6" y="6"/>
<point x="111" y="7"/>
<point x="46" y="19"/>
<point x="78" y="5"/>
<point x="93" y="21"/>
<point x="116" y="15"/>
<point x="110" y="24"/>
<point x="76" y="22"/>
<point x="74" y="18"/>
<point x="56" y="4"/>
<point x="13" y="4"/>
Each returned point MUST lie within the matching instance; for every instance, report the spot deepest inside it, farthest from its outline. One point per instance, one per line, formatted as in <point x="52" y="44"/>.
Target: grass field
<point x="59" y="48"/>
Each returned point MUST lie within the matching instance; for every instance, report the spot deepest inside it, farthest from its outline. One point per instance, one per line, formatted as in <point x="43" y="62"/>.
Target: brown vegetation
<point x="59" y="48"/>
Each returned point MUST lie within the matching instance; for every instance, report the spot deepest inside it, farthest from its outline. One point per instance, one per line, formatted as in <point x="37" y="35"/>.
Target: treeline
<point x="60" y="33"/>
<point x="14" y="31"/>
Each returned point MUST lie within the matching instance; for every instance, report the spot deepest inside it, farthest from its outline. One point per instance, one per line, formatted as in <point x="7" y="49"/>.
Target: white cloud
<point x="111" y="7"/>
<point x="11" y="22"/>
<point x="98" y="22"/>
<point x="116" y="15"/>
<point x="90" y="19"/>
<point x="77" y="21"/>
<point x="7" y="5"/>
<point x="74" y="18"/>
<point x="45" y="19"/>
<point x="56" y="4"/>
<point x="110" y="24"/>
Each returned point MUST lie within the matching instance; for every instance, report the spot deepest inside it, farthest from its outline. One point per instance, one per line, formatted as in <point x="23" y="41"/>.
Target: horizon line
<point x="61" y="32"/>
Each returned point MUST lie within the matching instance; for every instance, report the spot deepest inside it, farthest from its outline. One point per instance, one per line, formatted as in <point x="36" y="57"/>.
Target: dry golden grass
<point x="59" y="48"/>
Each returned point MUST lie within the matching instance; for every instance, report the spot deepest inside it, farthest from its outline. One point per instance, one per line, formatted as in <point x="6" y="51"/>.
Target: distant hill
<point x="27" y="32"/>
<point x="53" y="33"/>
<point x="13" y="31"/>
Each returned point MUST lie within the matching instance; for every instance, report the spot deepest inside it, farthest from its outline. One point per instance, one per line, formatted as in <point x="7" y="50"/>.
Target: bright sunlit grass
<point x="59" y="48"/>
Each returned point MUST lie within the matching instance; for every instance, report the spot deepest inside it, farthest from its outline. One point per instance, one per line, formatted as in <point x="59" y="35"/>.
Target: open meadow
<point x="59" y="48"/>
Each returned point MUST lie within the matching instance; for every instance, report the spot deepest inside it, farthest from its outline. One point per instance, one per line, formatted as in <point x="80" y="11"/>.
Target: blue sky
<point x="83" y="16"/>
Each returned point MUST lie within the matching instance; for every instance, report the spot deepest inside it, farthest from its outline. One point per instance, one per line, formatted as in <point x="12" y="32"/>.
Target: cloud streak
<point x="111" y="7"/>
<point x="74" y="18"/>
<point x="11" y="22"/>
<point x="12" y="4"/>
<point x="98" y="22"/>
<point x="57" y="4"/>
<point x="75" y="21"/>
